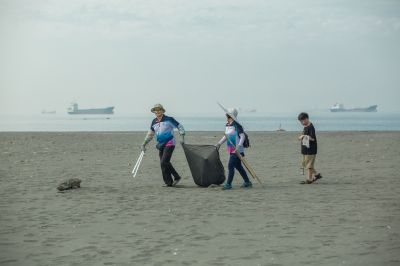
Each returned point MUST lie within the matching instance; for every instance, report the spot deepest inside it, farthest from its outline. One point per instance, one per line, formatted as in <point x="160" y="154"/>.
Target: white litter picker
<point x="138" y="162"/>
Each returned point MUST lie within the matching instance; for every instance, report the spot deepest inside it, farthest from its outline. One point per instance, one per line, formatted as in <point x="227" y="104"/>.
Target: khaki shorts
<point x="308" y="161"/>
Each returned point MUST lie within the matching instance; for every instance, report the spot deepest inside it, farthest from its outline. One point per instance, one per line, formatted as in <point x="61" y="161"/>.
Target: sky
<point x="275" y="56"/>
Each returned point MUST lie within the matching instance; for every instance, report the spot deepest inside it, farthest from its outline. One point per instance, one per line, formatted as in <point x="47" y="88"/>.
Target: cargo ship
<point x="74" y="110"/>
<point x="340" y="108"/>
<point x="45" y="112"/>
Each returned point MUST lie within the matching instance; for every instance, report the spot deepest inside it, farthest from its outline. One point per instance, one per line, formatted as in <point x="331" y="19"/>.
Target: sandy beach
<point x="350" y="217"/>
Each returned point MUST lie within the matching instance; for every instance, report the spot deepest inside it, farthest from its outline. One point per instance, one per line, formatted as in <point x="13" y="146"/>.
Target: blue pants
<point x="235" y="162"/>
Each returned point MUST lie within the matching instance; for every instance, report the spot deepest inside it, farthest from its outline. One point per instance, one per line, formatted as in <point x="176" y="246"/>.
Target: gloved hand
<point x="181" y="130"/>
<point x="143" y="148"/>
<point x="217" y="146"/>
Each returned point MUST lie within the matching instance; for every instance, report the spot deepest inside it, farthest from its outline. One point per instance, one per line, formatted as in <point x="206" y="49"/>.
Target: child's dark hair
<point x="302" y="116"/>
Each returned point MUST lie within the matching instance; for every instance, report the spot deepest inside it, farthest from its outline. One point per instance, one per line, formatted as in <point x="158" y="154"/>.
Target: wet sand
<point x="350" y="217"/>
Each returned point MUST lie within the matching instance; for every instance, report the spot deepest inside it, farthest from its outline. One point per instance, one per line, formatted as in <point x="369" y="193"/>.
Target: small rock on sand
<point x="71" y="183"/>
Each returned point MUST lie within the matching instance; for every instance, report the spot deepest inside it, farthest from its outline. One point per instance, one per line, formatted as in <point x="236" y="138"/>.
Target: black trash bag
<point x="204" y="164"/>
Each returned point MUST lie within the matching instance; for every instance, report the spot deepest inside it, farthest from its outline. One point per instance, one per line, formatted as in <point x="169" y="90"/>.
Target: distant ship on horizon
<point x="338" y="107"/>
<point x="247" y="110"/>
<point x="45" y="112"/>
<point x="74" y="110"/>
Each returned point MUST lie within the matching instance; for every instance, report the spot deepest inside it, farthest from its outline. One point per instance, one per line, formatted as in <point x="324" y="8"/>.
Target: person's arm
<point x="312" y="134"/>
<point x="147" y="139"/>
<point x="149" y="136"/>
<point x="305" y="133"/>
<point x="220" y="142"/>
<point x="181" y="130"/>
<point x="242" y="138"/>
<point x="179" y="126"/>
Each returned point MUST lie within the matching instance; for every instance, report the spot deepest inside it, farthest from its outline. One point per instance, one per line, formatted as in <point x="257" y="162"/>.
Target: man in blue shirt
<point x="163" y="128"/>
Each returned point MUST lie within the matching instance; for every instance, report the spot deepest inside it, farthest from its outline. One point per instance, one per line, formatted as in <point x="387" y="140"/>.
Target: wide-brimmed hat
<point x="232" y="112"/>
<point x="157" y="106"/>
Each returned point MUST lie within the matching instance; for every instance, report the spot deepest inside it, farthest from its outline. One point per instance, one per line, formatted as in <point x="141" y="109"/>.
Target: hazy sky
<point x="280" y="56"/>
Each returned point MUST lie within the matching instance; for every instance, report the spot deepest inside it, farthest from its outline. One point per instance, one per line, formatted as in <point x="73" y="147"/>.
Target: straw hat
<point x="157" y="106"/>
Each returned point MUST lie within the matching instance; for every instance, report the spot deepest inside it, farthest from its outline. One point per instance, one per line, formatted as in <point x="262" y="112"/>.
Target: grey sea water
<point x="323" y="121"/>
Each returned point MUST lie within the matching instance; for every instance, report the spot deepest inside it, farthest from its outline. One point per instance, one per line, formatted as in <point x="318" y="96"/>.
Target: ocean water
<point x="323" y="121"/>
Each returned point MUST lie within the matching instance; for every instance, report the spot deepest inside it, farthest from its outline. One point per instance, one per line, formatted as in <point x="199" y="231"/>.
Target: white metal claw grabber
<point x="138" y="162"/>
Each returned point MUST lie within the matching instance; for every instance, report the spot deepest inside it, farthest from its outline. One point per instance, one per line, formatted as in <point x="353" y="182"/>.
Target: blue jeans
<point x="235" y="162"/>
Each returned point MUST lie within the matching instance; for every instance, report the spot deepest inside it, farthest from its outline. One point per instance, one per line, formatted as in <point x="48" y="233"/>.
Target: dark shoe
<point x="176" y="181"/>
<point x="227" y="186"/>
<point x="306" y="182"/>
<point x="247" y="185"/>
<point x="167" y="185"/>
<point x="317" y="176"/>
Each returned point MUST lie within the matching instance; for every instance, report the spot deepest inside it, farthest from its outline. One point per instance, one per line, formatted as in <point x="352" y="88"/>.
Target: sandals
<point x="306" y="182"/>
<point x="317" y="176"/>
